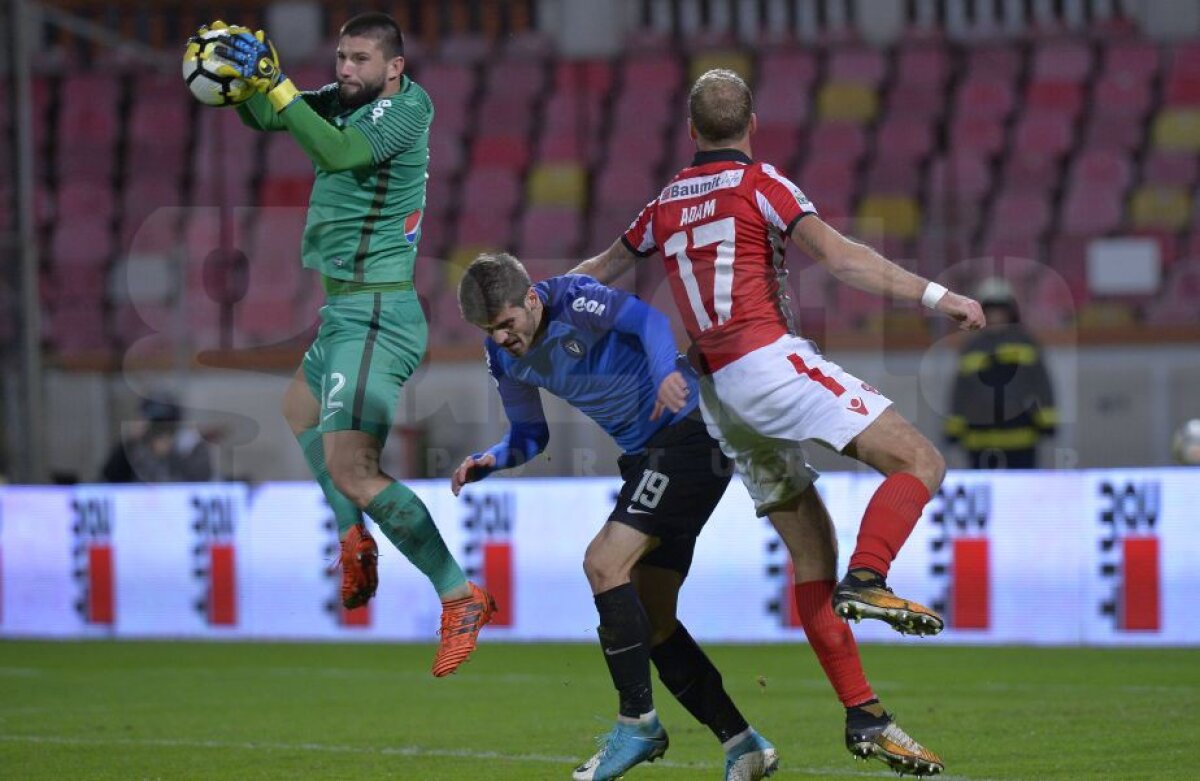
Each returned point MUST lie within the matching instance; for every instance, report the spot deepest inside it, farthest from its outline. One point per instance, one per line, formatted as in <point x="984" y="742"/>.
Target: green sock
<point x="405" y="520"/>
<point x="344" y="510"/>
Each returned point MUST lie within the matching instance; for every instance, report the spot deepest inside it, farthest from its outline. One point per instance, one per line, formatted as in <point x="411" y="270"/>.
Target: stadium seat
<point x="1062" y="61"/>
<point x="1154" y="206"/>
<point x="75" y="327"/>
<point x="906" y="137"/>
<point x="85" y="199"/>
<point x="1134" y="59"/>
<point x="446" y="152"/>
<point x="1178" y="169"/>
<point x="550" y="233"/>
<point x="782" y="104"/>
<point x="889" y="215"/>
<point x="777" y="144"/>
<point x="923" y="65"/>
<point x="1054" y="97"/>
<point x="736" y="61"/>
<point x="1030" y="169"/>
<point x="893" y="176"/>
<point x="1119" y="132"/>
<point x="793" y="66"/>
<point x="490" y="191"/>
<point x="915" y="100"/>
<point x="502" y="115"/>
<point x="1021" y="213"/>
<point x="1046" y="133"/>
<point x="989" y="98"/>
<point x="464" y="49"/>
<point x="624" y="189"/>
<point x="826" y="179"/>
<point x="840" y="101"/>
<point x="1098" y="167"/>
<point x="1000" y="62"/>
<point x="1177" y="129"/>
<point x="501" y="151"/>
<point x="1176" y="305"/>
<point x="484" y="229"/>
<point x="857" y="65"/>
<point x="1121" y="95"/>
<point x="843" y="141"/>
<point x="563" y="185"/>
<point x="977" y="135"/>
<point x="518" y="79"/>
<point x="86" y="241"/>
<point x="1089" y="210"/>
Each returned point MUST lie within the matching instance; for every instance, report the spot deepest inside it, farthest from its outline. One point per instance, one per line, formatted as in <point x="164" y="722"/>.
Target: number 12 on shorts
<point x="649" y="491"/>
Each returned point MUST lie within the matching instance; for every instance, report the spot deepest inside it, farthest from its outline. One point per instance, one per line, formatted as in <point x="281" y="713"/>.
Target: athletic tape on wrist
<point x="933" y="293"/>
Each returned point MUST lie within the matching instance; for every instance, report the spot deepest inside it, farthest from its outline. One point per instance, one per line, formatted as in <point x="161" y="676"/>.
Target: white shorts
<point x="764" y="404"/>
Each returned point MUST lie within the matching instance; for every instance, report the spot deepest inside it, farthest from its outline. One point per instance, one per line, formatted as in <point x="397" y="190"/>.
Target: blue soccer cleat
<point x="629" y="744"/>
<point x="751" y="759"/>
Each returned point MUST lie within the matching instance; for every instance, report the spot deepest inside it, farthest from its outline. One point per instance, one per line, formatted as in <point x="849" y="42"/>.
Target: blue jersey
<point x="604" y="352"/>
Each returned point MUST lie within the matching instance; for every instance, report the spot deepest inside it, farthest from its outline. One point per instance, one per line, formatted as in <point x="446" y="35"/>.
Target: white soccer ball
<point x="1186" y="445"/>
<point x="201" y="62"/>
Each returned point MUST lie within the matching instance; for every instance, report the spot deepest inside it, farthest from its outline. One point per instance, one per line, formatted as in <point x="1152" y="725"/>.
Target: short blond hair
<point x="720" y="104"/>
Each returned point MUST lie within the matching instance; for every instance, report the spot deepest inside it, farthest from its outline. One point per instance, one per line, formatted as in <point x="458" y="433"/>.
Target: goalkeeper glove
<point x="259" y="64"/>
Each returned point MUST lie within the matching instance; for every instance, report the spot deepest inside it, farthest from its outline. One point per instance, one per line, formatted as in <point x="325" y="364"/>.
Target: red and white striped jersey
<point x="720" y="225"/>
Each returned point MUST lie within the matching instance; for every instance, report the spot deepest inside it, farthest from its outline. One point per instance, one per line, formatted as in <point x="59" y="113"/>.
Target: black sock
<point x="866" y="714"/>
<point x="696" y="683"/>
<point x="625" y="637"/>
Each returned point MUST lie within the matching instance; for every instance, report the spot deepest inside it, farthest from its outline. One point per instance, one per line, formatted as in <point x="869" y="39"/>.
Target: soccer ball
<point x="1186" y="445"/>
<point x="201" y="61"/>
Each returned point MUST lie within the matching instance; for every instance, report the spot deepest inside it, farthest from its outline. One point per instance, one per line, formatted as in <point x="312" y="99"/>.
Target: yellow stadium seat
<point x="738" y="62"/>
<point x="457" y="261"/>
<point x="1155" y="206"/>
<point x="1105" y="315"/>
<point x="1178" y="129"/>
<point x="850" y="102"/>
<point x="557" y="184"/>
<point x="889" y="215"/>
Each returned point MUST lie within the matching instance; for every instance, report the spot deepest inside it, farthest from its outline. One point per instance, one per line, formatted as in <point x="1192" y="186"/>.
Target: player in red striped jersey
<point x="721" y="224"/>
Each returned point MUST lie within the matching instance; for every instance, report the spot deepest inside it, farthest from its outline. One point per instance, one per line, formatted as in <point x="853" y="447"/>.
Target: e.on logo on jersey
<point x="589" y="305"/>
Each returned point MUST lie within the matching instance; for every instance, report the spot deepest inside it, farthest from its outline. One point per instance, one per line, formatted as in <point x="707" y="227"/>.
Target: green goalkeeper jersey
<point x="364" y="223"/>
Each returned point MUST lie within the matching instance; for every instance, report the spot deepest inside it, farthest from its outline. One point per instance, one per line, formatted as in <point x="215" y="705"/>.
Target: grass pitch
<point x="103" y="710"/>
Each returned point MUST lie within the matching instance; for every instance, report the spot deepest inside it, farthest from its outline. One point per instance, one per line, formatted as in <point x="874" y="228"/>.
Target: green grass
<point x="101" y="710"/>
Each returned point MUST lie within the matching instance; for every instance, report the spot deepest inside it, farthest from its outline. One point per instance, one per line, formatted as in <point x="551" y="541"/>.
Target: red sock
<point x="890" y="517"/>
<point x="832" y="642"/>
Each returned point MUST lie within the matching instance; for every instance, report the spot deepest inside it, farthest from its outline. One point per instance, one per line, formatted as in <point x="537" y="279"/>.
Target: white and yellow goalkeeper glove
<point x="259" y="64"/>
<point x="212" y="44"/>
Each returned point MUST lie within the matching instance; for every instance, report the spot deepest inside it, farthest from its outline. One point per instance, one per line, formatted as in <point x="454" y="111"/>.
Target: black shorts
<point x="671" y="488"/>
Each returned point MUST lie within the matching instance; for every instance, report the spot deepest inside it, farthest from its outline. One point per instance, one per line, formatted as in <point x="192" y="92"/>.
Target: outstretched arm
<point x="608" y="265"/>
<point x="862" y="267"/>
<point x="527" y="436"/>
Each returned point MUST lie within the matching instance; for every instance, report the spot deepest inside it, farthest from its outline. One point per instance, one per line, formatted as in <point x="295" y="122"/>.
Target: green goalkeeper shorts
<point x="367" y="347"/>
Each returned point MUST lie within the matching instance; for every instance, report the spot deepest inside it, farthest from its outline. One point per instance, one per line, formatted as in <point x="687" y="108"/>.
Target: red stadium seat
<point x="1021" y="213"/>
<point x="1119" y="132"/>
<point x="549" y="233"/>
<point x="780" y="103"/>
<point x="1091" y="211"/>
<point x="986" y="97"/>
<point x="490" y="190"/>
<point x="864" y="66"/>
<point x="1054" y="97"/>
<point x="484" y="230"/>
<point x="501" y="115"/>
<point x="464" y="48"/>
<point x="977" y="135"/>
<point x="1170" y="168"/>
<point x="652" y="74"/>
<point x="826" y="180"/>
<point x="519" y="80"/>
<point x="83" y="200"/>
<point x="924" y="65"/>
<point x="1183" y="89"/>
<point x="77" y="327"/>
<point x="1049" y="134"/>
<point x="447" y="82"/>
<point x="796" y="68"/>
<point x="777" y="144"/>
<point x="1030" y="169"/>
<point x="593" y="77"/>
<point x="625" y="188"/>
<point x="501" y="151"/>
<point x="906" y="137"/>
<point x="845" y="141"/>
<point x="1135" y="59"/>
<point x="1102" y="168"/>
<point x="1062" y="61"/>
<point x="893" y="176"/>
<point x="84" y="241"/>
<point x="916" y="101"/>
<point x="446" y="152"/>
<point x="1121" y="95"/>
<point x="1000" y="62"/>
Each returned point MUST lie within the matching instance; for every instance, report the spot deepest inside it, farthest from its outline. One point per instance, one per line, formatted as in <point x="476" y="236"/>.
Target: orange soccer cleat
<point x="360" y="567"/>
<point x="461" y="621"/>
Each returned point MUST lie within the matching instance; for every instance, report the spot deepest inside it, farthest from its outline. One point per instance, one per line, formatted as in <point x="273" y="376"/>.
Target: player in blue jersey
<point x="611" y="356"/>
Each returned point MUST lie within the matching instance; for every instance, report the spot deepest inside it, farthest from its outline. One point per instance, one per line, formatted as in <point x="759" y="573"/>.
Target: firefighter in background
<point x="1002" y="403"/>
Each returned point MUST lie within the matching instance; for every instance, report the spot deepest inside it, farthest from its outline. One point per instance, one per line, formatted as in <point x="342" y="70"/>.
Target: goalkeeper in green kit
<point x="368" y="137"/>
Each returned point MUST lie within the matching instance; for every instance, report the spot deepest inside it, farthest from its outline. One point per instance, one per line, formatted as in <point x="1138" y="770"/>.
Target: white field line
<point x="420" y="751"/>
